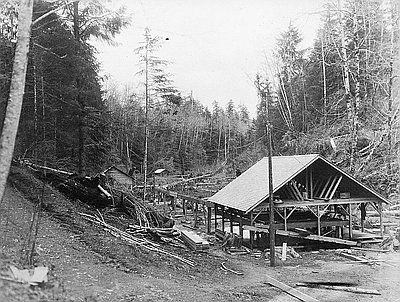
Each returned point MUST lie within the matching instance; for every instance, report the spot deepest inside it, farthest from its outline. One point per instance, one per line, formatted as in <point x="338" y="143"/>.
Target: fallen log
<point x="357" y="290"/>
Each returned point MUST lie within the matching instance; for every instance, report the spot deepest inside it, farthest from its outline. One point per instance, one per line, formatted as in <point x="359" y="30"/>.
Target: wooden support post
<point x="231" y="221"/>
<point x="215" y="217"/>
<point x="318" y="221"/>
<point x="208" y="220"/>
<point x="307" y="183"/>
<point x="240" y="225"/>
<point x="251" y="232"/>
<point x="165" y="203"/>
<point x="184" y="208"/>
<point x="380" y="218"/>
<point x="195" y="207"/>
<point x="285" y="218"/>
<point x="174" y="204"/>
<point x="223" y="218"/>
<point x="311" y="184"/>
<point x="363" y="215"/>
<point x="350" y="223"/>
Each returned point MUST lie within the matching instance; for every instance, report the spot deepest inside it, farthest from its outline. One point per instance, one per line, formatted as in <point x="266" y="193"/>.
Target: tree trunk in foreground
<point x="13" y="111"/>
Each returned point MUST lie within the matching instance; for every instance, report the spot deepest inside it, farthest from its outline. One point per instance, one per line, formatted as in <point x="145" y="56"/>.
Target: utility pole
<point x="146" y="113"/>
<point x="271" y="196"/>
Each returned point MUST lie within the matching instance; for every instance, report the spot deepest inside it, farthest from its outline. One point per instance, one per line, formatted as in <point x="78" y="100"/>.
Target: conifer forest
<point x="64" y="125"/>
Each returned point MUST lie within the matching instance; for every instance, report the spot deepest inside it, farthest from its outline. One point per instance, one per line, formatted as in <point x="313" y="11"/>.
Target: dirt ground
<point x="88" y="264"/>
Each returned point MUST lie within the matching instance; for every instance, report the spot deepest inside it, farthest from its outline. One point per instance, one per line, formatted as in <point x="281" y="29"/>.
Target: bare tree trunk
<point x="346" y="83"/>
<point x="357" y="97"/>
<point x="17" y="88"/>
<point x="324" y="78"/>
<point x="79" y="100"/>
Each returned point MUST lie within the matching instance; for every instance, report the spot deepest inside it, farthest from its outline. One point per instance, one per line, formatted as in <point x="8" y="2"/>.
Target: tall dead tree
<point x="17" y="88"/>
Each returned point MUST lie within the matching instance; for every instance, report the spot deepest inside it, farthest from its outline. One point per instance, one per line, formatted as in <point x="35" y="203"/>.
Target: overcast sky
<point x="216" y="46"/>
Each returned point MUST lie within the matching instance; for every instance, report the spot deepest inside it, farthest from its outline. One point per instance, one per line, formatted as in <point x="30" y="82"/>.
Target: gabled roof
<point x="251" y="188"/>
<point x="119" y="170"/>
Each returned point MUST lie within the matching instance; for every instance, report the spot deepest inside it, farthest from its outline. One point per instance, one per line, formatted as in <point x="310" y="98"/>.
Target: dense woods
<point x="338" y="98"/>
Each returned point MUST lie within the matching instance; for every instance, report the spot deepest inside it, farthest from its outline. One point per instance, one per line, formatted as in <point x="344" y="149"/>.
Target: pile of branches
<point x="143" y="213"/>
<point x="158" y="234"/>
<point x="133" y="240"/>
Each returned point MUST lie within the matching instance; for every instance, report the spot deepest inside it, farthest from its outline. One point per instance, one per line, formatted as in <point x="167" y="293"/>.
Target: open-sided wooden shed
<point x="309" y="193"/>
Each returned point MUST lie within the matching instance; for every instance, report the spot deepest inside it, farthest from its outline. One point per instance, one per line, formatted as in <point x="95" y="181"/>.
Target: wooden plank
<point x="357" y="290"/>
<point x="335" y="187"/>
<point x="321" y="195"/>
<point x="296" y="189"/>
<point x="370" y="250"/>
<point x="255" y="229"/>
<point x="316" y="238"/>
<point x="331" y="186"/>
<point x="289" y="191"/>
<point x="289" y="204"/>
<point x="290" y="290"/>
<point x="208" y="220"/>
<point x="311" y="224"/>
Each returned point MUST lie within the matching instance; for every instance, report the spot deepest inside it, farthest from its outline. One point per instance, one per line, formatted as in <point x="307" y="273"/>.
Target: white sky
<point x="216" y="46"/>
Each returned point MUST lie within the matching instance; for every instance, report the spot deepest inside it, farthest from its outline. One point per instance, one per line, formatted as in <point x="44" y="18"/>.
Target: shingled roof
<point x="251" y="188"/>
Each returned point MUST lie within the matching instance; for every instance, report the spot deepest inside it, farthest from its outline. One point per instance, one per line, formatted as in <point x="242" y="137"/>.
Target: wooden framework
<point x="194" y="202"/>
<point x="316" y="199"/>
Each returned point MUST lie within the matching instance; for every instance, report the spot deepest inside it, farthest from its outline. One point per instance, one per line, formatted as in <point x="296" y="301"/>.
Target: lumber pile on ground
<point x="194" y="241"/>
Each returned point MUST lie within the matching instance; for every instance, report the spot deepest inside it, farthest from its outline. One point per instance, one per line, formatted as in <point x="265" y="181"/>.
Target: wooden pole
<point x="223" y="218"/>
<point x="350" y="223"/>
<point x="215" y="217"/>
<point x="380" y="218"/>
<point x="251" y="232"/>
<point x="208" y="220"/>
<point x="184" y="208"/>
<point x="195" y="206"/>
<point x="271" y="200"/>
<point x="363" y="215"/>
<point x="240" y="225"/>
<point x="285" y="218"/>
<point x="318" y="222"/>
<point x="231" y="221"/>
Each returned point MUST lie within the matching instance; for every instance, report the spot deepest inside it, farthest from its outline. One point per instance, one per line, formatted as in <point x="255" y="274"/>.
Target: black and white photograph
<point x="199" y="150"/>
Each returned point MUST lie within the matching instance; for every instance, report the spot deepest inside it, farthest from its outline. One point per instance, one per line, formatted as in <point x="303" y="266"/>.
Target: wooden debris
<point x="316" y="238"/>
<point x="194" y="241"/>
<point x="369" y="250"/>
<point x="357" y="290"/>
<point x="335" y="283"/>
<point x="290" y="290"/>
<point x="33" y="277"/>
<point x="230" y="270"/>
<point x="357" y="258"/>
<point x="232" y="240"/>
<point x="284" y="250"/>
<point x="144" y="243"/>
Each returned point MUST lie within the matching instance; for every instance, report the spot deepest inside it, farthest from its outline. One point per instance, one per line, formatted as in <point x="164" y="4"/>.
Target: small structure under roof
<point x="119" y="176"/>
<point x="301" y="183"/>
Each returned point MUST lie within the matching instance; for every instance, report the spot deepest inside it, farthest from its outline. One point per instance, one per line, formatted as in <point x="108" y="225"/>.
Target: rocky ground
<point x="88" y="264"/>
